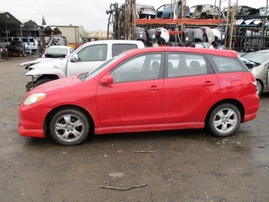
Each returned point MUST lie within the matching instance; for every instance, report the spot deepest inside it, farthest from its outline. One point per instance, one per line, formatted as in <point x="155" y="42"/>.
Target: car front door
<point x="89" y="58"/>
<point x="135" y="97"/>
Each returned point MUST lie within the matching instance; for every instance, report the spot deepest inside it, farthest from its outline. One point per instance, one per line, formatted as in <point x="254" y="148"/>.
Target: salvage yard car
<point x="204" y="11"/>
<point x="145" y="11"/>
<point x="150" y="89"/>
<point x="165" y="11"/>
<point x="51" y="52"/>
<point x="84" y="59"/>
<point x="260" y="69"/>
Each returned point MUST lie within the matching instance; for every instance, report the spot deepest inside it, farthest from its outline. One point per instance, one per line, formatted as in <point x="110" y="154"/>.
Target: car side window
<point x="225" y="64"/>
<point x="142" y="67"/>
<point x="179" y="64"/>
<point x="119" y="48"/>
<point x="93" y="53"/>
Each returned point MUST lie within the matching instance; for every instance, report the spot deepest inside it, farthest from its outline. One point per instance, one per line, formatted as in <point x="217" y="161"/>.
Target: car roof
<point x="264" y="51"/>
<point x="218" y="52"/>
<point x="60" y="47"/>
<point x="114" y="42"/>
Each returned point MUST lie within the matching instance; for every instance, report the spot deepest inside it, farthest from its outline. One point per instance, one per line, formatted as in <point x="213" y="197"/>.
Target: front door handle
<point x="154" y="88"/>
<point x="208" y="83"/>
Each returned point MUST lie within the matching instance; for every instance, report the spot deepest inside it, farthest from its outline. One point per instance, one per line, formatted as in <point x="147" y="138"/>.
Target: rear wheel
<point x="224" y="120"/>
<point x="69" y="127"/>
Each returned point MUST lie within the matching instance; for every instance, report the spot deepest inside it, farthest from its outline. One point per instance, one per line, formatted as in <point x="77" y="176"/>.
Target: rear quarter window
<point x="119" y="48"/>
<point x="222" y="64"/>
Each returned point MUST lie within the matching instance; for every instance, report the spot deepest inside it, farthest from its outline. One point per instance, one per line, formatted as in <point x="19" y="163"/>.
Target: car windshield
<point x="167" y="6"/>
<point x="103" y="66"/>
<point x="55" y="50"/>
<point x="257" y="57"/>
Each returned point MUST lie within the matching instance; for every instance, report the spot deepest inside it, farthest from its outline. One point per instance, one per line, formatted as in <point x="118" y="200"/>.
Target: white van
<point x="33" y="44"/>
<point x="6" y="41"/>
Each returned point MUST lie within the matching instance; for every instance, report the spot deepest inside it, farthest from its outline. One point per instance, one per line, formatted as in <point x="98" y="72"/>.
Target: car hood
<point x="50" y="63"/>
<point x="64" y="83"/>
<point x="32" y="62"/>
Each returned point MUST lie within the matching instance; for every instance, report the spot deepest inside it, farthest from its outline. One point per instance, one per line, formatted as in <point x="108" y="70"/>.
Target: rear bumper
<point x="252" y="105"/>
<point x="250" y="117"/>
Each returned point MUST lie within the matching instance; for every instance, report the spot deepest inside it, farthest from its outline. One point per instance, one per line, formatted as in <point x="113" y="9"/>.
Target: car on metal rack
<point x="147" y="89"/>
<point x="263" y="10"/>
<point x="145" y="11"/>
<point x="204" y="11"/>
<point x="165" y="11"/>
<point x="241" y="10"/>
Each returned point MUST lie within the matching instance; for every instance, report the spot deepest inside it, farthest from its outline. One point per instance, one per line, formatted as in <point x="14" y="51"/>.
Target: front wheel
<point x="224" y="120"/>
<point x="69" y="127"/>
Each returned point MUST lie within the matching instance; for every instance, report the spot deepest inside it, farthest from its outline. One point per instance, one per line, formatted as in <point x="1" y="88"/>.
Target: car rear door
<point x="189" y="88"/>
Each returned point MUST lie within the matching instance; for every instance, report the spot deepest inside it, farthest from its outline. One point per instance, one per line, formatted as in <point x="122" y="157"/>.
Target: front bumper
<point x="38" y="133"/>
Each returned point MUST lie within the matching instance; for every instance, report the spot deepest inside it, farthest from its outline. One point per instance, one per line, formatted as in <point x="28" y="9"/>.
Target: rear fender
<point x="48" y="71"/>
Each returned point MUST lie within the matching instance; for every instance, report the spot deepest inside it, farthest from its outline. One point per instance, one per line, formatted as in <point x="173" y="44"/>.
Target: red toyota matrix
<point x="150" y="89"/>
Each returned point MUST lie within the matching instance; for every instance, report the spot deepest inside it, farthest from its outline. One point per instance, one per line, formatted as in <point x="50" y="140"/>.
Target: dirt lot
<point x="167" y="166"/>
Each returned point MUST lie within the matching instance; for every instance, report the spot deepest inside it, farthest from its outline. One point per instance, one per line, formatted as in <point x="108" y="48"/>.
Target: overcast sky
<point x="91" y="14"/>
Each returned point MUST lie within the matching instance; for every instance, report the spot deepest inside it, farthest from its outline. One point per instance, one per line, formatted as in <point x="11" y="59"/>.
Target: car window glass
<point x="119" y="48"/>
<point x="258" y="57"/>
<point x="57" y="50"/>
<point x="143" y="67"/>
<point x="185" y="65"/>
<point x="93" y="53"/>
<point x="225" y="64"/>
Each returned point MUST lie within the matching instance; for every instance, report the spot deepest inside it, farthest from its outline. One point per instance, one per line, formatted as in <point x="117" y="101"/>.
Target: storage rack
<point x="125" y="24"/>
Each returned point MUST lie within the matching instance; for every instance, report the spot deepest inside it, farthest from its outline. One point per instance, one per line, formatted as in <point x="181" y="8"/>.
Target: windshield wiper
<point x="256" y="63"/>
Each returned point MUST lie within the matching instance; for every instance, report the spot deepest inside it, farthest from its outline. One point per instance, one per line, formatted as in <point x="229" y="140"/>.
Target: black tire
<point x="41" y="81"/>
<point x="259" y="88"/>
<point x="69" y="127"/>
<point x="224" y="120"/>
<point x="203" y="16"/>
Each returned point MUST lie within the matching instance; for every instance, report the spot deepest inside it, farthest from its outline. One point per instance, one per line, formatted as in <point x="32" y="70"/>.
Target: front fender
<point x="47" y="71"/>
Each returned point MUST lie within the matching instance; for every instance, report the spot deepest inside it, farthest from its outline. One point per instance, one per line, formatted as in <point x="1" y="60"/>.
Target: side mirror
<point x="75" y="58"/>
<point x="106" y="80"/>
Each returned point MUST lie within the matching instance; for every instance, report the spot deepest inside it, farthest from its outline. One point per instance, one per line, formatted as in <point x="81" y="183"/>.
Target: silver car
<point x="260" y="69"/>
<point x="204" y="11"/>
<point x="145" y="11"/>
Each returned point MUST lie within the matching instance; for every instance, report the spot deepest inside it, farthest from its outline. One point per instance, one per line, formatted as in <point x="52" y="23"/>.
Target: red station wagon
<point x="150" y="89"/>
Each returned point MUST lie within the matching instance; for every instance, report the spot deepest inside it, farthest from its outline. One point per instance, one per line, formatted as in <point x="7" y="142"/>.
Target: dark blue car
<point x="165" y="11"/>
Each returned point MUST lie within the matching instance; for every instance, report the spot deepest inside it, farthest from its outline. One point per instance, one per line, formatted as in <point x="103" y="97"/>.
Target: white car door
<point x="89" y="58"/>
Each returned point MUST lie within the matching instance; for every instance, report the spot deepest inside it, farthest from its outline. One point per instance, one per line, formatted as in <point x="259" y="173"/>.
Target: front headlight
<point x="34" y="98"/>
